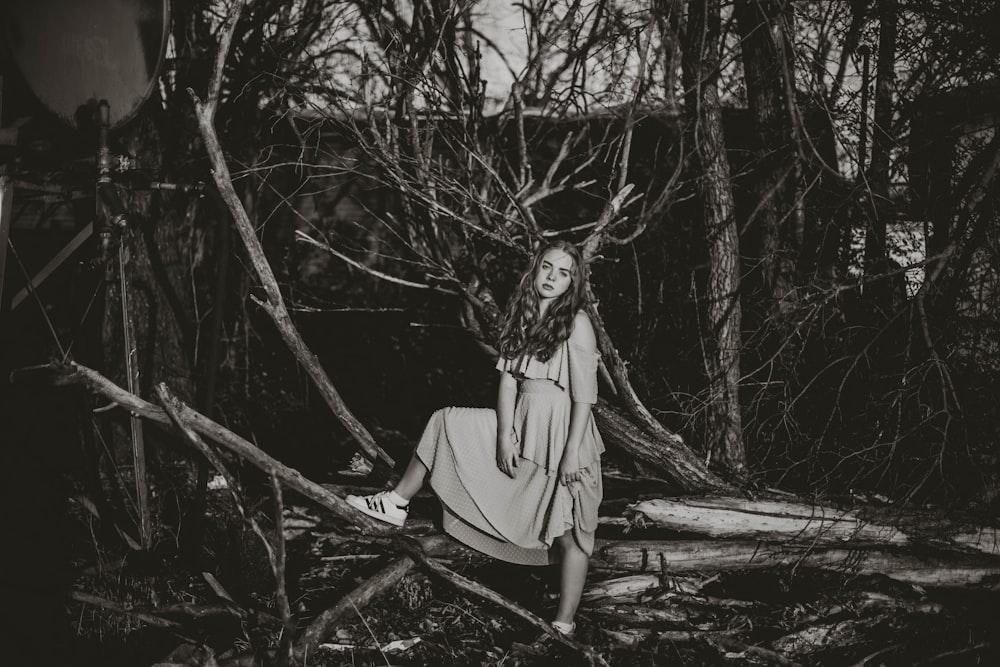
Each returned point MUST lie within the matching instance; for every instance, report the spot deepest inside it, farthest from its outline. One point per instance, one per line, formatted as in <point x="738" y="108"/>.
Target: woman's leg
<point x="412" y="479"/>
<point x="572" y="577"/>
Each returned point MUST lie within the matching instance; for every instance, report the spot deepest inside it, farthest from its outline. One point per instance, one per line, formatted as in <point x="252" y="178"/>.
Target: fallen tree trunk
<point x="943" y="569"/>
<point x="670" y="456"/>
<point x="802" y="523"/>
<point x="764" y="519"/>
<point x="915" y="565"/>
<point x="744" y="534"/>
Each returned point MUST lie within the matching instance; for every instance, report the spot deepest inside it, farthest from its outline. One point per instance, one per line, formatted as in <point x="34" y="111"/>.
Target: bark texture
<point x="722" y="337"/>
<point x="766" y="56"/>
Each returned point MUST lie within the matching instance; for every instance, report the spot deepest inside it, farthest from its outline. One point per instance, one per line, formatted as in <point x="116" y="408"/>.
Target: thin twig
<point x="285" y="656"/>
<point x="302" y="236"/>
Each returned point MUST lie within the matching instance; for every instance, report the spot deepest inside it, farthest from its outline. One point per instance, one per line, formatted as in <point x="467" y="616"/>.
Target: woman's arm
<point x="569" y="466"/>
<point x="582" y="338"/>
<point x="506" y="450"/>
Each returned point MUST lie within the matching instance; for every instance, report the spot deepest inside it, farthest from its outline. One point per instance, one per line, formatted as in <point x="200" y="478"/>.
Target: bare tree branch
<point x="275" y="305"/>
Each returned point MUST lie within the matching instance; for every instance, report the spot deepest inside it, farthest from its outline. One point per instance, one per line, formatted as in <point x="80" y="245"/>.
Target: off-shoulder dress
<point x="518" y="519"/>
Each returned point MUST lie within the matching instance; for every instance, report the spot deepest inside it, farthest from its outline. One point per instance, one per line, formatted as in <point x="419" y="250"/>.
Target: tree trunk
<point x="148" y="329"/>
<point x="880" y="207"/>
<point x="776" y="226"/>
<point x="767" y="66"/>
<point x="722" y="340"/>
<point x="675" y="459"/>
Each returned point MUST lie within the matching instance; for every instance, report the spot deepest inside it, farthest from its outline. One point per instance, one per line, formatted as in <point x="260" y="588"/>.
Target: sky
<point x="504" y="25"/>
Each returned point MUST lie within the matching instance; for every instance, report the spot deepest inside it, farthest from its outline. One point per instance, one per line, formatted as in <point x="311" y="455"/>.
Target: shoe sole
<point x="376" y="515"/>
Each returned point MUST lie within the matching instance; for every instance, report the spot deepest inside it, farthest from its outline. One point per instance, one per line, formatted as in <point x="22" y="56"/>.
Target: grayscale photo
<point x="500" y="333"/>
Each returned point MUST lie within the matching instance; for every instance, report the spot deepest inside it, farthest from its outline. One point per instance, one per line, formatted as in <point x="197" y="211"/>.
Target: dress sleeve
<point x="583" y="359"/>
<point x="503" y="364"/>
<point x="582" y="374"/>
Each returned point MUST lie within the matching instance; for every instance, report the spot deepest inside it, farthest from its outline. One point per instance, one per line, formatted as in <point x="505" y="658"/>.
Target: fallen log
<point x="943" y="569"/>
<point x="763" y="520"/>
<point x="668" y="454"/>
<point x="803" y="523"/>
<point x="922" y="567"/>
<point x="630" y="588"/>
<point x="915" y="566"/>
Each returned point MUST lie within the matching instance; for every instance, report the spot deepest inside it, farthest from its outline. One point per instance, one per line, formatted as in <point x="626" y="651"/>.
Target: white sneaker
<point x="566" y="629"/>
<point x="380" y="507"/>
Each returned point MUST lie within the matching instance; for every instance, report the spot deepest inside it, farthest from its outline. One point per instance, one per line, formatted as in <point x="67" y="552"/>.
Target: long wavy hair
<point x="525" y="330"/>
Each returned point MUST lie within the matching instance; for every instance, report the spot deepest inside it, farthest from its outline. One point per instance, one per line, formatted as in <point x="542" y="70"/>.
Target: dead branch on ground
<point x="360" y="597"/>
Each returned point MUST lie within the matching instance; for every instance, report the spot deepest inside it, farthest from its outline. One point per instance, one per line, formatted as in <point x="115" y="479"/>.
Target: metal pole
<point x="132" y="384"/>
<point x="114" y="220"/>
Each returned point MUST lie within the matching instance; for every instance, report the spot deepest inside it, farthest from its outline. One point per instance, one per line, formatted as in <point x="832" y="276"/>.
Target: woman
<point x="522" y="483"/>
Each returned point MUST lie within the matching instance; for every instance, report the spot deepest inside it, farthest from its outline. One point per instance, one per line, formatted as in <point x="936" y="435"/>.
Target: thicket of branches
<point x="813" y="308"/>
<point x="863" y="357"/>
<point x="788" y="209"/>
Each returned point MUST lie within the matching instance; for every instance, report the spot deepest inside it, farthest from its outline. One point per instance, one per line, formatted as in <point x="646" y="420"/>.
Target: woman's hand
<point x="507" y="457"/>
<point x="569" y="468"/>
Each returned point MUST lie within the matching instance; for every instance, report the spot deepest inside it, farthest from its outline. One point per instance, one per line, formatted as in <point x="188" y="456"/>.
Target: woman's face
<point x="554" y="275"/>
